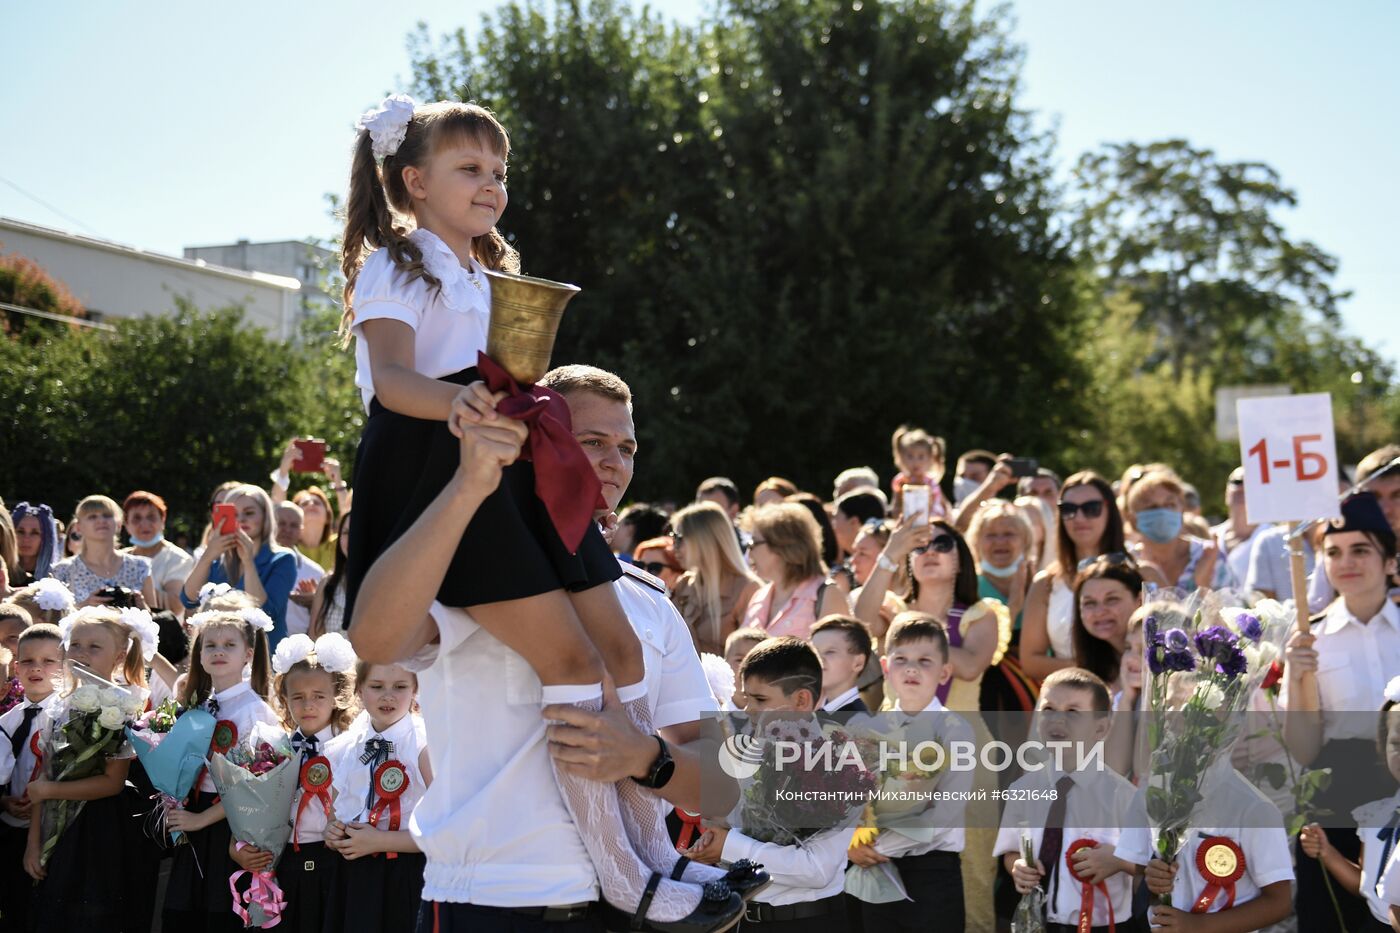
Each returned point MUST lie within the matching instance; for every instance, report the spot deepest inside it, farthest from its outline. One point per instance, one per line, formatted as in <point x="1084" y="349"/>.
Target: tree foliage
<point x="795" y="227"/>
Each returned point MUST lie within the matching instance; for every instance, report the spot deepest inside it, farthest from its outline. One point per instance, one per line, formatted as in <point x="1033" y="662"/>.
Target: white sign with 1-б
<point x="1289" y="452"/>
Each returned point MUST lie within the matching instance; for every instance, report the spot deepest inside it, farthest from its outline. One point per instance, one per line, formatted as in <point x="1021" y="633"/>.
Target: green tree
<point x="1197" y="243"/>
<point x="176" y="404"/>
<point x="25" y="284"/>
<point x="796" y="226"/>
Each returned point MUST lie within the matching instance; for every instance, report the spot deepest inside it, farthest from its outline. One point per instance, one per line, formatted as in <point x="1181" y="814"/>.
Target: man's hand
<point x="709" y="847"/>
<point x="603" y="746"/>
<point x="865" y="856"/>
<point x="487" y="448"/>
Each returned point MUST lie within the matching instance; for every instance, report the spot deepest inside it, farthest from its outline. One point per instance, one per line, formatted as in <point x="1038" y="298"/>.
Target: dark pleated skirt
<point x="374" y="893"/>
<point x="197" y="897"/>
<point x="308" y="880"/>
<point x="86" y="884"/>
<point x="509" y="551"/>
<point x="16" y="887"/>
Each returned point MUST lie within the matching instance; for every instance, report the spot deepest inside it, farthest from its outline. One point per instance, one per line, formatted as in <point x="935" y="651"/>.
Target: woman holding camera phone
<point x="98" y="566"/>
<point x="235" y="547"/>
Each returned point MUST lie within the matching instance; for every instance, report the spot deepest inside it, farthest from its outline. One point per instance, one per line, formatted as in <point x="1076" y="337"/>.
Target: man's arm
<point x="391" y="621"/>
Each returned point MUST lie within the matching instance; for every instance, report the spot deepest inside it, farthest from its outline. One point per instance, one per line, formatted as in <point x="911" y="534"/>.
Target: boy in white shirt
<point x="1073" y="817"/>
<point x="785" y="675"/>
<point x="1234" y="873"/>
<point x="928" y="850"/>
<point x="38" y="664"/>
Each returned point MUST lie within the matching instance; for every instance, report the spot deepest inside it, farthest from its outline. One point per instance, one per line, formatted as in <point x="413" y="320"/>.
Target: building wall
<point x="292" y="258"/>
<point x="115" y="281"/>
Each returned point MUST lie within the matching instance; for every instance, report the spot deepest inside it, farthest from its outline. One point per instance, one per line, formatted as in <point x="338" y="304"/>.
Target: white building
<point x="116" y="281"/>
<point x="297" y="259"/>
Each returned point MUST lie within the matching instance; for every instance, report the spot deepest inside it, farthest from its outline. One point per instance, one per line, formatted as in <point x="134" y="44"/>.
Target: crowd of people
<point x="506" y="676"/>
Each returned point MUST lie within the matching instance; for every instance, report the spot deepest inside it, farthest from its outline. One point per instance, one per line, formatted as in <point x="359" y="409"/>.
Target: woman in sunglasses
<point x="1090" y="524"/>
<point x="943" y="575"/>
<point x="658" y="558"/>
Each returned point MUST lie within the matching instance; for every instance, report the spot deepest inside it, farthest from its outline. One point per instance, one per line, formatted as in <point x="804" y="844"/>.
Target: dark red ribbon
<point x="564" y="478"/>
<point x="1086" y="891"/>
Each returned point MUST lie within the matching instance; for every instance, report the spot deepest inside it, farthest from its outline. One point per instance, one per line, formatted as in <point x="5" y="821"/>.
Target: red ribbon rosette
<point x="1220" y="860"/>
<point x="390" y="782"/>
<point x="315" y="785"/>
<point x="38" y="756"/>
<point x="225" y="736"/>
<point x="690" y="825"/>
<point x="1086" y="891"/>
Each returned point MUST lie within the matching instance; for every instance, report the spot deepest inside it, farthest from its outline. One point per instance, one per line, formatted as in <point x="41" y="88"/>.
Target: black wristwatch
<point x="661" y="769"/>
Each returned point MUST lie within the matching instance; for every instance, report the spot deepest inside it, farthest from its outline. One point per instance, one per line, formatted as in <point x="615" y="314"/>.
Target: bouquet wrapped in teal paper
<point x="172" y="745"/>
<point x="1205" y="655"/>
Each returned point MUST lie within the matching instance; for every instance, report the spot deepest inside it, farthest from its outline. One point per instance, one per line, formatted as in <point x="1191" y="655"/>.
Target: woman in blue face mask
<point x="145" y="525"/>
<point x="1167" y="555"/>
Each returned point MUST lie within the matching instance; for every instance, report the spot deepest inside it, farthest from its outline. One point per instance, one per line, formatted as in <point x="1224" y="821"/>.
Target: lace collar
<point x="461" y="286"/>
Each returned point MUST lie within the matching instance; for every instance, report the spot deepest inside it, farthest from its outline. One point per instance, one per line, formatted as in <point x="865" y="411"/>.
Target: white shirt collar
<point x="933" y="707"/>
<point x="443" y="264"/>
<point x="396" y="733"/>
<point x="237" y="690"/>
<point x="836" y="703"/>
<point x="1339" y="617"/>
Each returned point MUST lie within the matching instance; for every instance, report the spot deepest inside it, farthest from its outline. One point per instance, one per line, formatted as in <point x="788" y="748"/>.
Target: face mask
<point x="1159" y="525"/>
<point x="962" y="488"/>
<point x="1003" y="572"/>
<point x="139" y="542"/>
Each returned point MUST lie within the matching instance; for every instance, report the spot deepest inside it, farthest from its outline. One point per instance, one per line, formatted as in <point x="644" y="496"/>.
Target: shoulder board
<point x="644" y="578"/>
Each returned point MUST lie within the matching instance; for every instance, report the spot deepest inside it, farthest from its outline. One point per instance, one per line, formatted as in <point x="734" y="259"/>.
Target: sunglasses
<point x="75" y="536"/>
<point x="943" y="544"/>
<point x="1112" y="559"/>
<point x="677" y="537"/>
<point x="654" y="567"/>
<point x="1090" y="509"/>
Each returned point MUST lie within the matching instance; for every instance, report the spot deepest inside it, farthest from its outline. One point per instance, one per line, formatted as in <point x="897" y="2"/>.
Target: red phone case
<point x="311" y="455"/>
<point x="225" y="518"/>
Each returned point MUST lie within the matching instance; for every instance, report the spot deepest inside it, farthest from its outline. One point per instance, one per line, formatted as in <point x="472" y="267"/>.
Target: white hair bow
<point x="388" y="124"/>
<point x="1392" y="690"/>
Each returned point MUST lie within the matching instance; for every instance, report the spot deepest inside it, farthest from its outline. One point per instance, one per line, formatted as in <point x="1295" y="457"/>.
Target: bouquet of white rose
<point x="89" y="728"/>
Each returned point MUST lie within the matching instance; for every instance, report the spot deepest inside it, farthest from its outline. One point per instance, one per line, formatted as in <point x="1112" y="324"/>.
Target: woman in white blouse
<point x="1089" y="525"/>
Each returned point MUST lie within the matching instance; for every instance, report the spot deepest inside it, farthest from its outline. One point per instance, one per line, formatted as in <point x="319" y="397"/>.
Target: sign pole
<point x="1297" y="570"/>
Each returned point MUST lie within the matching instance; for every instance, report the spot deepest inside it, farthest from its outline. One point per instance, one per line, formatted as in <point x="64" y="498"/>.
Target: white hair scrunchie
<point x="388" y="124"/>
<point x="257" y="619"/>
<point x="210" y="590"/>
<point x="1392" y="690"/>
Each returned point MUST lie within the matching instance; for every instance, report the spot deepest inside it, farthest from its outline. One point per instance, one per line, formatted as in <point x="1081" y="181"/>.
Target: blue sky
<point x="202" y="124"/>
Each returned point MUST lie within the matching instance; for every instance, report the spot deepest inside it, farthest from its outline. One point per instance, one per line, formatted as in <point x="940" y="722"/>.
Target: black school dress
<point x="86" y="885"/>
<point x="197" y="896"/>
<point x="509" y="551"/>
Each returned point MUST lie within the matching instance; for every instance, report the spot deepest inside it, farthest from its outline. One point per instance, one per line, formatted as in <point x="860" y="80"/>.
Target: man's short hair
<point x="722" y="485"/>
<point x="290" y="506"/>
<point x="1023" y="486"/>
<point x="977" y="455"/>
<point x="1080" y="679"/>
<point x="566" y="380"/>
<point x="646" y="520"/>
<point x="1375" y="462"/>
<point x="864" y="504"/>
<point x="855" y="478"/>
<point x="788" y="663"/>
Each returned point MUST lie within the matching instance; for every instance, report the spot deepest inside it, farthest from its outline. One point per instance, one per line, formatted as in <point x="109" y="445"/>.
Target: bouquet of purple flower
<point x="1205" y="656"/>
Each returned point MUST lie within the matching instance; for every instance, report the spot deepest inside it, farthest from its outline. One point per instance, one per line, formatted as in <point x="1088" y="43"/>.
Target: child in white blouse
<point x="1377" y="822"/>
<point x="419" y="308"/>
<point x="381" y="769"/>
